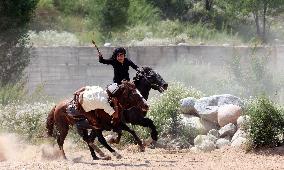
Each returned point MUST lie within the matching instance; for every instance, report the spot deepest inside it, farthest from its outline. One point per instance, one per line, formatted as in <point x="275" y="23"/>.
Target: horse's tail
<point x="50" y="122"/>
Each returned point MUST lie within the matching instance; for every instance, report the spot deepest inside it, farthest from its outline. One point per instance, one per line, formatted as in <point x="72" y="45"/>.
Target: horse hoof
<point x="111" y="141"/>
<point x="106" y="158"/>
<point x="141" y="148"/>
<point x="117" y="155"/>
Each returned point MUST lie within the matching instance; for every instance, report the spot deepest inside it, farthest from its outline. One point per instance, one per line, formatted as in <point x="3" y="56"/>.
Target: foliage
<point x="25" y="119"/>
<point x="172" y="9"/>
<point x="52" y="38"/>
<point x="72" y="7"/>
<point x="141" y="12"/>
<point x="109" y="15"/>
<point x="260" y="9"/>
<point x="11" y="93"/>
<point x="14" y="55"/>
<point x="254" y="78"/>
<point x="164" y="109"/>
<point x="266" y="125"/>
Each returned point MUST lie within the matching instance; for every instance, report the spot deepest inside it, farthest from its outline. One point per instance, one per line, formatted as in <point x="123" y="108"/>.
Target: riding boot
<point x="83" y="124"/>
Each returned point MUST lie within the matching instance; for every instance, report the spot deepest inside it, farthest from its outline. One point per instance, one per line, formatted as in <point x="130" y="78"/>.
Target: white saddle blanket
<point x="95" y="97"/>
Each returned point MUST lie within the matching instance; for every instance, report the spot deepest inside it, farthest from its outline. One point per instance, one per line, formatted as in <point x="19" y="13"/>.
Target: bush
<point x="164" y="109"/>
<point x="266" y="124"/>
<point x="141" y="12"/>
<point x="52" y="38"/>
<point x="27" y="120"/>
<point x="11" y="93"/>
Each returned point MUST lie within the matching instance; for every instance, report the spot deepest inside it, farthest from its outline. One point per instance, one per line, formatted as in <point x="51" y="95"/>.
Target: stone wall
<point x="61" y="70"/>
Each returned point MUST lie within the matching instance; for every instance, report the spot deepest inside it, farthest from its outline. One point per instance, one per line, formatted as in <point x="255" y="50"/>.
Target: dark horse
<point x="145" y="80"/>
<point x="98" y="120"/>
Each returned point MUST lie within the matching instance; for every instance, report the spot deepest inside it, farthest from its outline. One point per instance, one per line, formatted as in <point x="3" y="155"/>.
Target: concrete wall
<point x="61" y="70"/>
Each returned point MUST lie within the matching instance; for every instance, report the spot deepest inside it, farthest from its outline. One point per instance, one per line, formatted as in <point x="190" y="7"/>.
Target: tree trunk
<point x="208" y="4"/>
<point x="264" y="22"/>
<point x="256" y="19"/>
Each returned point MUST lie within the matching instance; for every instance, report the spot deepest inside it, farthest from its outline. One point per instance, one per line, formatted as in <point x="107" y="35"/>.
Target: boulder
<point x="228" y="130"/>
<point x="202" y="104"/>
<point x="210" y="114"/>
<point x="198" y="125"/>
<point x="228" y="113"/>
<point x="239" y="142"/>
<point x="187" y="106"/>
<point x="238" y="134"/>
<point x="222" y="142"/>
<point x="205" y="143"/>
<point x="214" y="132"/>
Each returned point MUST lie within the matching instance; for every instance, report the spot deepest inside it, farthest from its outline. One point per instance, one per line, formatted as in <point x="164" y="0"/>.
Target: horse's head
<point x="128" y="96"/>
<point x="148" y="77"/>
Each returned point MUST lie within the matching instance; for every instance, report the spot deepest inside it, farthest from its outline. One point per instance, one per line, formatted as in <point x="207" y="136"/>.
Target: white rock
<point x="239" y="142"/>
<point x="239" y="133"/>
<point x="205" y="143"/>
<point x="187" y="105"/>
<point x="222" y="142"/>
<point x="198" y="125"/>
<point x="210" y="114"/>
<point x="228" y="113"/>
<point x="214" y="132"/>
<point x="228" y="130"/>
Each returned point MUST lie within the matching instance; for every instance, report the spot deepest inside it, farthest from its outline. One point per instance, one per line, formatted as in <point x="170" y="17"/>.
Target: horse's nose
<point x="165" y="86"/>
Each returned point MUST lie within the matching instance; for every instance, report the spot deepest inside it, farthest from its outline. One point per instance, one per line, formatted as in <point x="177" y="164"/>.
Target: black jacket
<point x="120" y="70"/>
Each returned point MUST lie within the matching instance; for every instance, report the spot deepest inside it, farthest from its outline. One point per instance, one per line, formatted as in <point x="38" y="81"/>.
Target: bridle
<point x="152" y="85"/>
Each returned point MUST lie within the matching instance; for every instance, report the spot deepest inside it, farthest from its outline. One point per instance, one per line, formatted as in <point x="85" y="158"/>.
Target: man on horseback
<point x="120" y="64"/>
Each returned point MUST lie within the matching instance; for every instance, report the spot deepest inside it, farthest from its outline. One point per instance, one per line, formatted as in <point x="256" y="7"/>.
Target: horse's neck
<point x="143" y="89"/>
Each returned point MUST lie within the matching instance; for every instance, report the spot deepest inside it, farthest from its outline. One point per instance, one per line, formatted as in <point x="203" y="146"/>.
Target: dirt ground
<point x="23" y="156"/>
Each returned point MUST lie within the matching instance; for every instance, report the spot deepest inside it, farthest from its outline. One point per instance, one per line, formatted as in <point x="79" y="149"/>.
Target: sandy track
<point x="31" y="158"/>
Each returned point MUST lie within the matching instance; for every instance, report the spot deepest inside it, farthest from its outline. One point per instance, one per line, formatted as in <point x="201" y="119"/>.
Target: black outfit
<point x="120" y="70"/>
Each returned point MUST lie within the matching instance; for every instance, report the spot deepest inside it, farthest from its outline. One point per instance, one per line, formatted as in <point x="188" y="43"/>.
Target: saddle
<point x="73" y="108"/>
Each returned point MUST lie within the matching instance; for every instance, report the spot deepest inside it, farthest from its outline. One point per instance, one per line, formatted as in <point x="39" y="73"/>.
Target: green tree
<point x="172" y="9"/>
<point x="260" y="10"/>
<point x="141" y="12"/>
<point x="14" y="55"/>
<point x="108" y="15"/>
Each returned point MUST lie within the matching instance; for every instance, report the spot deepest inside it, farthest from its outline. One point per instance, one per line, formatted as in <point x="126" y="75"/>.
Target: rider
<point x="120" y="64"/>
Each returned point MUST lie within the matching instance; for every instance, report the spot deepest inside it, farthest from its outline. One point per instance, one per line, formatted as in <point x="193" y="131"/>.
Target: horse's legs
<point x="82" y="126"/>
<point x="63" y="131"/>
<point x="84" y="134"/>
<point x="132" y="132"/>
<point x="146" y="122"/>
<point x="132" y="116"/>
<point x="102" y="140"/>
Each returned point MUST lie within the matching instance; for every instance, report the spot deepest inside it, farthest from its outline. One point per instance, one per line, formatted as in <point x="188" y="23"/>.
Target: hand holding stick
<point x="99" y="52"/>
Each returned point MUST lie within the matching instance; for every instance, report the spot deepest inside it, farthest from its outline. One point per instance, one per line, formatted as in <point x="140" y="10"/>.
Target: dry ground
<point x="23" y="156"/>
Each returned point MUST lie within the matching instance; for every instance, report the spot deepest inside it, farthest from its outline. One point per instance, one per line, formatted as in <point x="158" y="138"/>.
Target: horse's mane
<point x="128" y="84"/>
<point x="146" y="68"/>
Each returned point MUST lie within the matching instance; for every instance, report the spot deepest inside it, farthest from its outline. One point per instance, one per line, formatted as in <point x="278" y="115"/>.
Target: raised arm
<point x="104" y="61"/>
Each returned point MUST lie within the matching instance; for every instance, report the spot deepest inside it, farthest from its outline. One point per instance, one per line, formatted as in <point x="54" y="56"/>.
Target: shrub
<point x="27" y="120"/>
<point x="52" y="38"/>
<point x="164" y="109"/>
<point x="266" y="124"/>
<point x="10" y="93"/>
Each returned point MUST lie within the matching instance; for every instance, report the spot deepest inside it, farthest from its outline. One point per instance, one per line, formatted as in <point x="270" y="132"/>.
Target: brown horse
<point x="98" y="120"/>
